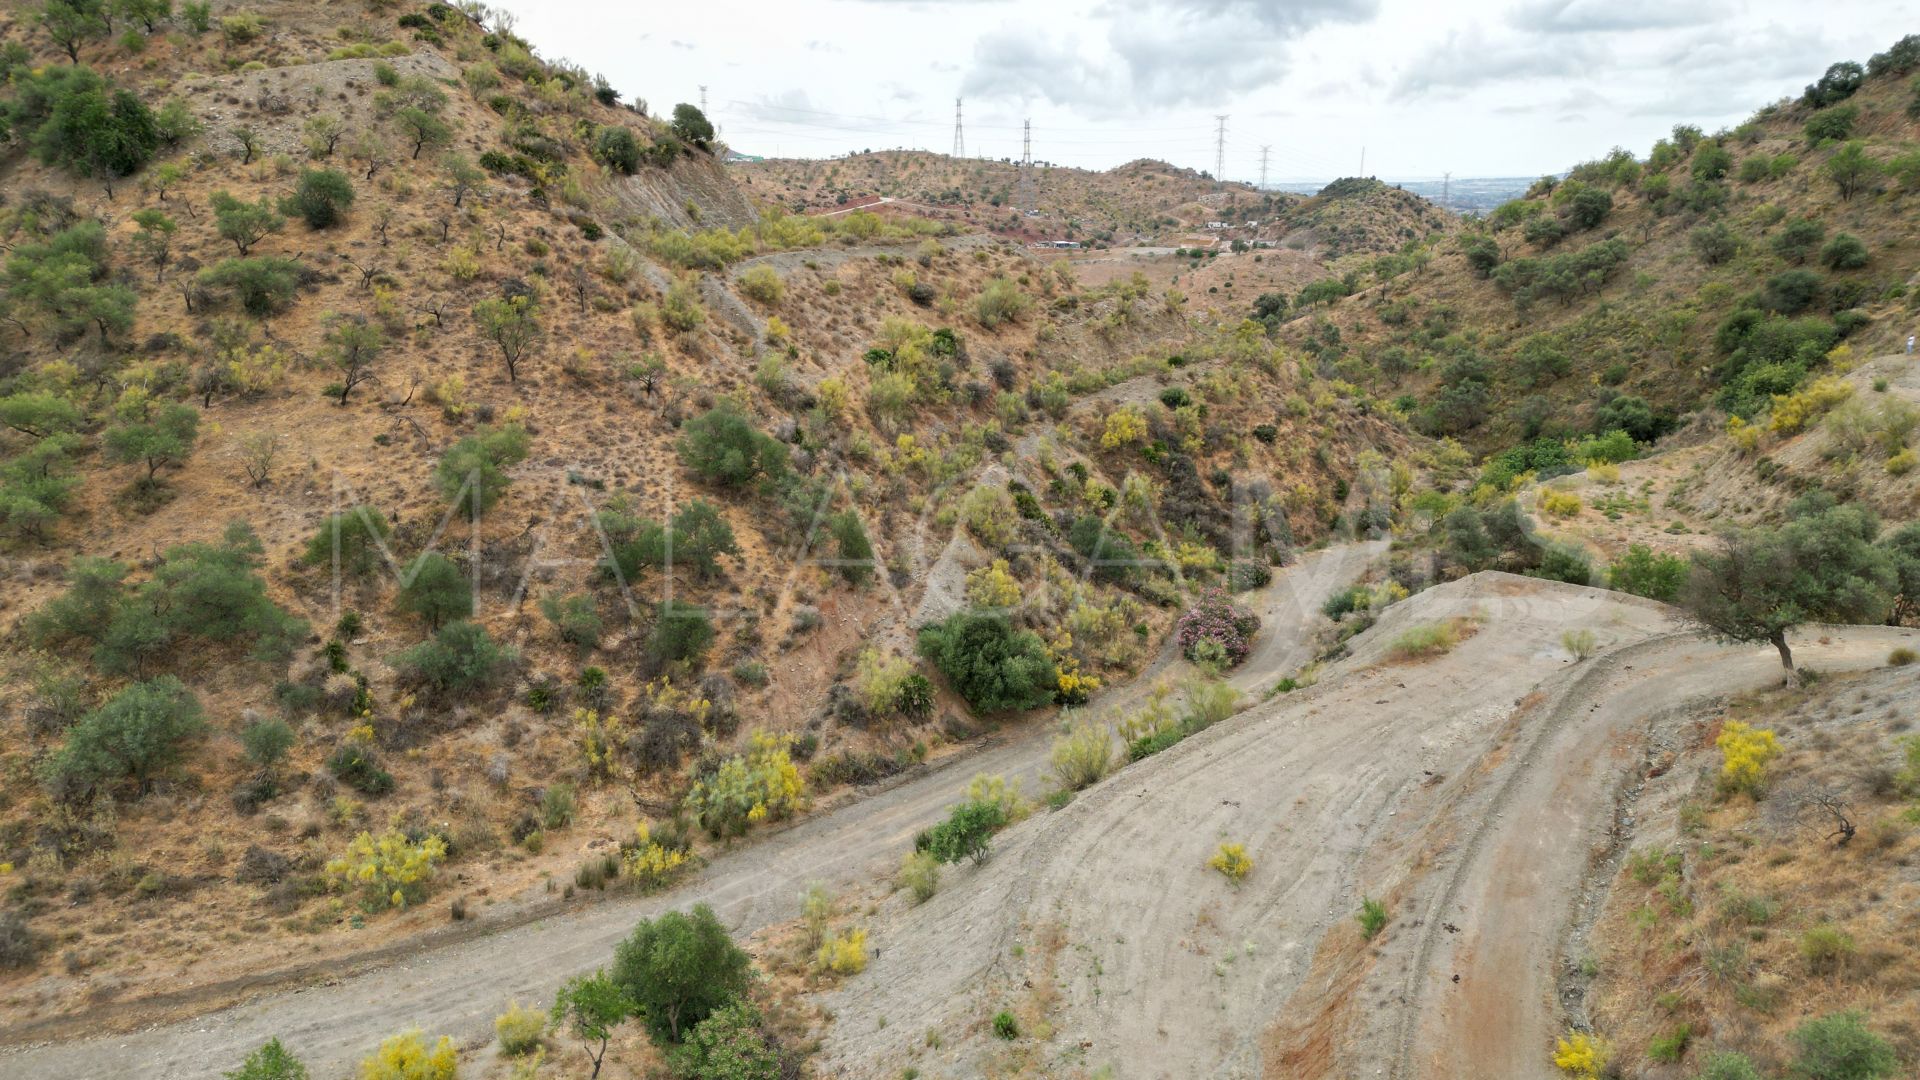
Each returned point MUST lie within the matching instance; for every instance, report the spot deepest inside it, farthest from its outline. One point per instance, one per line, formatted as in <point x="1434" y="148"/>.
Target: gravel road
<point x="457" y="989"/>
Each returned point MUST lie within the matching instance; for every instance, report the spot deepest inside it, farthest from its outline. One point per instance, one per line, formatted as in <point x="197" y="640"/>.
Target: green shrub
<point x="1839" y="1047"/>
<point x="270" y="1062"/>
<point x="140" y="734"/>
<point x="1083" y="756"/>
<point x="574" y="618"/>
<point x="434" y="589"/>
<point x="354" y="541"/>
<point x="1844" y="252"/>
<point x="1425" y="640"/>
<point x="1005" y="1026"/>
<point x="616" y="148"/>
<point x="967" y="832"/>
<point x="989" y="663"/>
<point x="730" y="1044"/>
<point x="1730" y="1066"/>
<point x="267" y="741"/>
<point x="1670" y="1046"/>
<point x="920" y="875"/>
<point x="519" y="1029"/>
<point x="1642" y="572"/>
<point x="459" y="658"/>
<point x="764" y="284"/>
<point x="682" y="632"/>
<point x="320" y="198"/>
<point x="1000" y="302"/>
<point x="355" y="765"/>
<point x="725" y="448"/>
<point x="1372" y="917"/>
<point x="855" y="551"/>
<point x="472" y="473"/>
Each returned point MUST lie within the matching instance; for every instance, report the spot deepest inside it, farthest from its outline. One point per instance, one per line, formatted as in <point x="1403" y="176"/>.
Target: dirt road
<point x="1467" y="790"/>
<point x="458" y="989"/>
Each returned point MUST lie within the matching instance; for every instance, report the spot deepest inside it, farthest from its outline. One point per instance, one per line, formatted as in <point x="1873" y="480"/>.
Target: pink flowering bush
<point x="1216" y="629"/>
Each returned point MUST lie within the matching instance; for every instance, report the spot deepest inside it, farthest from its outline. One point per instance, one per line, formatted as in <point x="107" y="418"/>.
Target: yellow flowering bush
<point x="1125" y="425"/>
<point x="993" y="587"/>
<point x="1580" y="1055"/>
<point x="651" y="864"/>
<point x="1560" y="503"/>
<point x="1745" y="751"/>
<point x="761" y="784"/>
<point x="406" y="1057"/>
<point x="599" y="738"/>
<point x="1792" y="412"/>
<point x="843" y="954"/>
<point x="1232" y="861"/>
<point x="391" y="870"/>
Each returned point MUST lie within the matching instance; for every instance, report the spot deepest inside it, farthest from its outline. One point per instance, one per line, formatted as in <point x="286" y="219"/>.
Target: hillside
<point x="1139" y="202"/>
<point x="464" y="479"/>
<point x="1713" y="273"/>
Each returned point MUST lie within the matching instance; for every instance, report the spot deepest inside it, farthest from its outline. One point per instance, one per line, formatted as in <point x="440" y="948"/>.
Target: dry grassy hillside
<point x="1717" y="271"/>
<point x="562" y="297"/>
<point x="1142" y="200"/>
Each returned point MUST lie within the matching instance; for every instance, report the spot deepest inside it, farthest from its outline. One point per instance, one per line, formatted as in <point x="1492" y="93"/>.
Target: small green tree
<point x="39" y="413"/>
<point x="435" y="590"/>
<point x="459" y="658"/>
<point x="472" y="474"/>
<point x="678" y="970"/>
<point x="244" y="223"/>
<point x="351" y="346"/>
<point x="155" y="238"/>
<point x="353" y="541"/>
<point x="70" y="23"/>
<point x="320" y="199"/>
<point x="512" y="324"/>
<point x="464" y="178"/>
<point x="263" y="284"/>
<point x="1851" y="168"/>
<point x="1821" y="565"/>
<point x="692" y="125"/>
<point x="423" y="129"/>
<point x="856" y="562"/>
<point x="725" y="448"/>
<point x="166" y="439"/>
<point x="590" y="1007"/>
<point x="967" y="832"/>
<point x="139" y="734"/>
<point x="271" y="1062"/>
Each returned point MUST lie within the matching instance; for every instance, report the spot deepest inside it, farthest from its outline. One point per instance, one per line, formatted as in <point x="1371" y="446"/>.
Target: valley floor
<point x="1475" y="794"/>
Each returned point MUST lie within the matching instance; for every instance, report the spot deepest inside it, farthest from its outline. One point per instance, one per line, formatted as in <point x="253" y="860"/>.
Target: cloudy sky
<point x="1473" y="87"/>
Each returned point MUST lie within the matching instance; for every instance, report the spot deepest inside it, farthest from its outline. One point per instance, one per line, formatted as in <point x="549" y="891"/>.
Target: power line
<point x="959" y="142"/>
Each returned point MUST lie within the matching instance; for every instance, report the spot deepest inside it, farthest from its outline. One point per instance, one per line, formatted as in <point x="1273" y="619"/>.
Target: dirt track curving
<point x="1467" y="791"/>
<point x="458" y="988"/>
